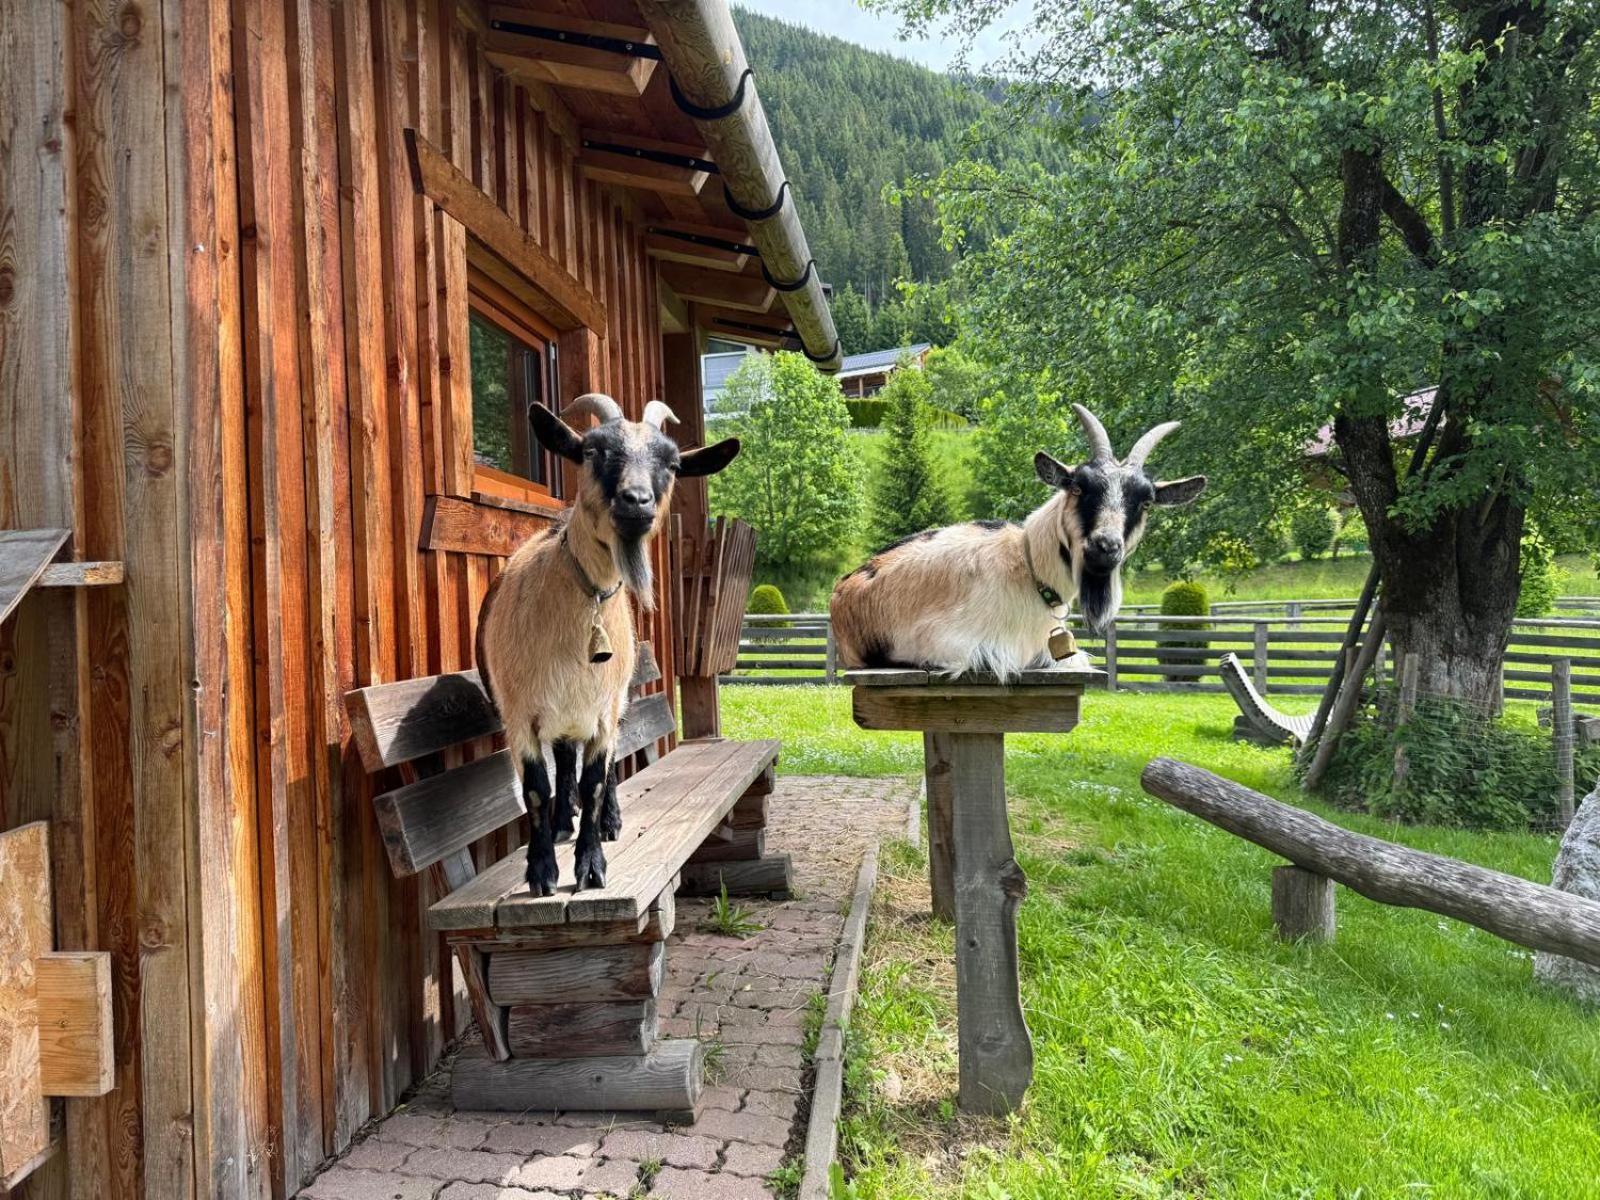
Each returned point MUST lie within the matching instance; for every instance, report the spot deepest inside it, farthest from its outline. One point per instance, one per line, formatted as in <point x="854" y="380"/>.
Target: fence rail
<point x="1289" y="653"/>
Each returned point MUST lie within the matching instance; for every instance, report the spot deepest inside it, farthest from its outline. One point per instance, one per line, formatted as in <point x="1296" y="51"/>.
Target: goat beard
<point x="632" y="556"/>
<point x="1099" y="598"/>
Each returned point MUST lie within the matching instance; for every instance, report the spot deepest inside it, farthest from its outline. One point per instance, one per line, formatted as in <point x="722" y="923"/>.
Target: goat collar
<point x="1051" y="597"/>
<point x="595" y="594"/>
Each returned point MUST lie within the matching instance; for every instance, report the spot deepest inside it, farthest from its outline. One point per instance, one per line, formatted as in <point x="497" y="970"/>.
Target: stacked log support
<point x="581" y="1004"/>
<point x="735" y="855"/>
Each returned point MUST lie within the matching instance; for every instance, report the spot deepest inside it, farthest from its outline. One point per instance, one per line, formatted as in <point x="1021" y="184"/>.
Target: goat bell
<point x="599" y="642"/>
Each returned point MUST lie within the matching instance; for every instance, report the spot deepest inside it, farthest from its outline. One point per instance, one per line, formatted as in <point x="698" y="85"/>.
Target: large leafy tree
<point x="1285" y="214"/>
<point x="797" y="478"/>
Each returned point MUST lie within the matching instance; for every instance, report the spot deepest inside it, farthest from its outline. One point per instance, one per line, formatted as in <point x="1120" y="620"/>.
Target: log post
<point x="1302" y="905"/>
<point x="1408" y="668"/>
<point x="1111" y="657"/>
<point x="996" y="1048"/>
<point x="1563" y="731"/>
<point x="831" y="669"/>
<point x="937" y="771"/>
<point x="1344" y="706"/>
<point x="1259" y="665"/>
<point x="700" y="708"/>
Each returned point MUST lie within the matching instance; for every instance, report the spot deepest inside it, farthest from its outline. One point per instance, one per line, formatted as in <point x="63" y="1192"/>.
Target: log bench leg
<point x="735" y="855"/>
<point x="580" y="1007"/>
<point x="1302" y="905"/>
<point x="937" y="768"/>
<point x="995" y="1046"/>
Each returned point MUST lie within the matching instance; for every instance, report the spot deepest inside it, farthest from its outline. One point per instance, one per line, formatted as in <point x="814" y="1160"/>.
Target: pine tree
<point x="907" y="494"/>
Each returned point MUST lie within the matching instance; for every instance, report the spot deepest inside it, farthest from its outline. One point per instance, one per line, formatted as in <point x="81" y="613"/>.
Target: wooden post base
<point x="1303" y="905"/>
<point x="937" y="768"/>
<point x="667" y="1078"/>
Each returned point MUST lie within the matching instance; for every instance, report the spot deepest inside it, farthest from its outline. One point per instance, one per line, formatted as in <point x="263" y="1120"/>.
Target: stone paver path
<point x="748" y="995"/>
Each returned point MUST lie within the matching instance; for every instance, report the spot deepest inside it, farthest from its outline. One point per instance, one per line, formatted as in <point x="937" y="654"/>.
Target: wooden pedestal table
<point x="975" y="876"/>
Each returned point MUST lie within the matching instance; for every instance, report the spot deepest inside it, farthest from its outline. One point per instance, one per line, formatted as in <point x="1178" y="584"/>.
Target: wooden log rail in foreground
<point x="1530" y="914"/>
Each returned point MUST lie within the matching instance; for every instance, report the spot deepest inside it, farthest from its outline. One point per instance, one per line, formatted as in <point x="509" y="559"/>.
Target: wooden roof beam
<point x="716" y="247"/>
<point x="670" y="169"/>
<point x="571" y="52"/>
<point x="745" y="293"/>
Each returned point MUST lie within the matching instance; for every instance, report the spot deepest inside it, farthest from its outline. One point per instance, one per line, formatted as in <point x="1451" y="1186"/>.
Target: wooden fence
<point x="1286" y="654"/>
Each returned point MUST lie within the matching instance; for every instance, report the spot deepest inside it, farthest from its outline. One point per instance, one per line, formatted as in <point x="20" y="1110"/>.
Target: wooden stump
<point x="996" y="1048"/>
<point x="771" y="876"/>
<point x="941" y="813"/>
<point x="1302" y="905"/>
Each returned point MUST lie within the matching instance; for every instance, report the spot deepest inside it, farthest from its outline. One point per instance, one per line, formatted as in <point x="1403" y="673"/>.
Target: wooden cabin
<point x="277" y="278"/>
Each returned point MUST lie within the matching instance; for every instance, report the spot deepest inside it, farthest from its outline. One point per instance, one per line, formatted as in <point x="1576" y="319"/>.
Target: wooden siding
<point x="233" y="356"/>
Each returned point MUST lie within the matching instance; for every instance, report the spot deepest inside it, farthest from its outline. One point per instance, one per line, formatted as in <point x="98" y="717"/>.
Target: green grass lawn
<point x="1181" y="1050"/>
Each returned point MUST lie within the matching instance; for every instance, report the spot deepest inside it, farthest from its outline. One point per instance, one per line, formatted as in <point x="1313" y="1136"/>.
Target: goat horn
<point x="1099" y="443"/>
<point x="592" y="404"/>
<point x="658" y="414"/>
<point x="1141" y="448"/>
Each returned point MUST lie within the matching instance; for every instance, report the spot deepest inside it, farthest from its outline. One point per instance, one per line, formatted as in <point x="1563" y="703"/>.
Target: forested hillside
<point x="848" y="122"/>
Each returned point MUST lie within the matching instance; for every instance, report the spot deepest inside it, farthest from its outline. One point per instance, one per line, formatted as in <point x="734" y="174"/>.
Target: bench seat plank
<point x="641" y="869"/>
<point x="705" y="778"/>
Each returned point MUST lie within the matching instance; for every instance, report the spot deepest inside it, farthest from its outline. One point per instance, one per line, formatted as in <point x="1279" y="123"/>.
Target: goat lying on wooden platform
<point x="987" y="595"/>
<point x="555" y="638"/>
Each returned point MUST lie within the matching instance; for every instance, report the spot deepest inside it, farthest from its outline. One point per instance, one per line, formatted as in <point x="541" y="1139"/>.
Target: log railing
<point x="1321" y="853"/>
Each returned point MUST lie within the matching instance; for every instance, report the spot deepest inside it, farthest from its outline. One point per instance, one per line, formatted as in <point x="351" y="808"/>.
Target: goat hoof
<point x="590" y="867"/>
<point x="542" y="871"/>
<point x="610" y="830"/>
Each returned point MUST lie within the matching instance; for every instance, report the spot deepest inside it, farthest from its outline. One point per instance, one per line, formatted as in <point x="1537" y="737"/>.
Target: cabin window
<point x="513" y="368"/>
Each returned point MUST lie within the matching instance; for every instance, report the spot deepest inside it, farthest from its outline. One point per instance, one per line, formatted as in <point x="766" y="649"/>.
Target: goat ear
<point x="1056" y="474"/>
<point x="1179" y="491"/>
<point x="708" y="460"/>
<point x="554" y="434"/>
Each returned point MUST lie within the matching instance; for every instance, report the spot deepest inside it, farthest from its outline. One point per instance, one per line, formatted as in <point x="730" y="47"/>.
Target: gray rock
<point x="1577" y="870"/>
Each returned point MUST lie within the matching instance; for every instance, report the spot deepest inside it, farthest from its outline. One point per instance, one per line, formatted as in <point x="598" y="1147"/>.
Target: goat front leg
<point x="542" y="873"/>
<point x="566" y="756"/>
<point x="589" y="859"/>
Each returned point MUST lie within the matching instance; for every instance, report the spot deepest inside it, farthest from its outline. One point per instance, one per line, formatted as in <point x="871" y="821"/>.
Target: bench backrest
<point x="441" y="810"/>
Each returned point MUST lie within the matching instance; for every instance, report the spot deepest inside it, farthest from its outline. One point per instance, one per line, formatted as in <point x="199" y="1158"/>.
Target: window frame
<point x="496" y="304"/>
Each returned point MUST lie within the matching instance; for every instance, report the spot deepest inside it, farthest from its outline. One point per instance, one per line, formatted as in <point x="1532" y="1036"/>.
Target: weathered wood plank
<point x="939" y="776"/>
<point x="1303" y="905"/>
<point x="395" y="723"/>
<point x="24" y="937"/>
<point x="666" y="1079"/>
<point x="750" y="812"/>
<point x="423" y="822"/>
<point x="81" y="574"/>
<point x="631" y="971"/>
<point x="647" y="719"/>
<point x="568" y="304"/>
<point x="996" y="1049"/>
<point x="585" y="1029"/>
<point x="463" y="527"/>
<point x="966" y="709"/>
<point x="75" y="1027"/>
<point x="654" y="926"/>
<point x="739" y="845"/>
<point x="24" y="554"/>
<point x="1530" y="914"/>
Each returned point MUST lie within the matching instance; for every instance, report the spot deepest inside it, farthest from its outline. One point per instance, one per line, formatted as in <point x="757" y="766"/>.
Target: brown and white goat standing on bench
<point x="555" y="637"/>
<point x="986" y="596"/>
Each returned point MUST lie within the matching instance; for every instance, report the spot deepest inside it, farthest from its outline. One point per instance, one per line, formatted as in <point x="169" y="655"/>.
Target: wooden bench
<point x="564" y="987"/>
<point x="1259" y="720"/>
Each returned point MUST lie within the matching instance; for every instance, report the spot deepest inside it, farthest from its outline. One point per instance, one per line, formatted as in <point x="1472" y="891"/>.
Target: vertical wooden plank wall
<point x="233" y="356"/>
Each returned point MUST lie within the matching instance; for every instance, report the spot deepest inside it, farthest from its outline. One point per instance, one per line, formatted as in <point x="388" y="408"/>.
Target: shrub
<point x="767" y="600"/>
<point x="907" y="492"/>
<point x="1541" y="578"/>
<point x="1462" y="767"/>
<point x="866" y="414"/>
<point x="1184" y="647"/>
<point x="1314" y="529"/>
<point x="1352" y="537"/>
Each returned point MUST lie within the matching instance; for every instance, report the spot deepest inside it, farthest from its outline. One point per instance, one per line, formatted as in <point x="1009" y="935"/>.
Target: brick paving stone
<point x="782" y="1105"/>
<point x="674" y="1149"/>
<point x="376" y="1155"/>
<point x="469" y="1166"/>
<point x="492" y="1191"/>
<point x="743" y="1127"/>
<point x="722" y="1096"/>
<point x="673" y="1184"/>
<point x="559" y="1173"/>
<point x="769" y="1054"/>
<point x="743" y="1158"/>
<point x="340" y="1182"/>
<point x="416" y="1129"/>
<point x="528" y="1140"/>
<point x="770" y="1079"/>
<point x="614" y="1177"/>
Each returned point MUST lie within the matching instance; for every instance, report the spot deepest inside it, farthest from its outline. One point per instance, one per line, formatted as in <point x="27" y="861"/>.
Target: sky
<point x="879" y="31"/>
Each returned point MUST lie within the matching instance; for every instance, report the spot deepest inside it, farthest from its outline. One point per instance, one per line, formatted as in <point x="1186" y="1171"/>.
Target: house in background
<point x="721" y="359"/>
<point x="866" y="374"/>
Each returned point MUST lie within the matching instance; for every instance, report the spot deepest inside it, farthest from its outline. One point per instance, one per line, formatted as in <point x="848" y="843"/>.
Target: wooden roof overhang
<point x="700" y="171"/>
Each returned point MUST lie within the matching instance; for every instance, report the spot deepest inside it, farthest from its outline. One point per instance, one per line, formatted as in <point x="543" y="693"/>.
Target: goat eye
<point x="1145" y="507"/>
<point x="1075" y="490"/>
